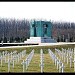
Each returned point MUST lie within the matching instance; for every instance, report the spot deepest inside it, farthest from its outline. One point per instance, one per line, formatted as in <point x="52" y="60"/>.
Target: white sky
<point x="57" y="11"/>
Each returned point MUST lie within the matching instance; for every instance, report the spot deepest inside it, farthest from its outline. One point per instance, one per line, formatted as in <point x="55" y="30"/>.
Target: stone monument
<point x="40" y="32"/>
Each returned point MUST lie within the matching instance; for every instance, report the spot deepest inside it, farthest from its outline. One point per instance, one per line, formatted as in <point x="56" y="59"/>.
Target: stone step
<point x="40" y="40"/>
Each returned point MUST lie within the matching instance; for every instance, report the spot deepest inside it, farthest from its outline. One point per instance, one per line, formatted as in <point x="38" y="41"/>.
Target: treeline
<point x="15" y="30"/>
<point x="63" y="31"/>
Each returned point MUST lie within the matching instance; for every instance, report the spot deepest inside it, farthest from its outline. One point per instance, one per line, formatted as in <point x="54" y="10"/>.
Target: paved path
<point x="41" y="44"/>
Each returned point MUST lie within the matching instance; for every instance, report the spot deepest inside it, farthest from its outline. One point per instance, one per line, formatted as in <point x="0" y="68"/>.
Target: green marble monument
<point x="40" y="29"/>
<point x="40" y="32"/>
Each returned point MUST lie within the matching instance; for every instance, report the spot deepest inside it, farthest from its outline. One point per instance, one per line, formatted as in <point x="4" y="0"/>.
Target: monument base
<point x="40" y="40"/>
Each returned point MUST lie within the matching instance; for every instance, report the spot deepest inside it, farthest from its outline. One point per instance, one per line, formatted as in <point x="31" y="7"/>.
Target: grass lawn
<point x="34" y="65"/>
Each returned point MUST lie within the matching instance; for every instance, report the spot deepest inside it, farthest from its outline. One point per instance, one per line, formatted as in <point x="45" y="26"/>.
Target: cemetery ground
<point x="34" y="65"/>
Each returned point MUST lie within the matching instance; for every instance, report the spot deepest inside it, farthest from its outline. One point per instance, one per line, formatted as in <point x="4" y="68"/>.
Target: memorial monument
<point x="40" y="32"/>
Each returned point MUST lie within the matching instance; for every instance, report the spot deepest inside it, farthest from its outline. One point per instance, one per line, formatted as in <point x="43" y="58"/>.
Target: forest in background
<point x="15" y="30"/>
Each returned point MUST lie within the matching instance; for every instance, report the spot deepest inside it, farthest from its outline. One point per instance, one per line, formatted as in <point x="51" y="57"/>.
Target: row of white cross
<point x="12" y="57"/>
<point x="27" y="60"/>
<point x="5" y="56"/>
<point x="56" y="61"/>
<point x="66" y="55"/>
<point x="29" y="57"/>
<point x="16" y="58"/>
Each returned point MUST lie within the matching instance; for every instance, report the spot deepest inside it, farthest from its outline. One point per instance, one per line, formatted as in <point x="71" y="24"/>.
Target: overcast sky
<point x="57" y="11"/>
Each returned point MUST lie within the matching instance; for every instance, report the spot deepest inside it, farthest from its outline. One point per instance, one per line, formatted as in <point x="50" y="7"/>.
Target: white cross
<point x="57" y="63"/>
<point x="1" y="60"/>
<point x="62" y="67"/>
<point x="11" y="55"/>
<point x="28" y="59"/>
<point x="8" y="65"/>
<point x="23" y="63"/>
<point x="13" y="61"/>
<point x="3" y="53"/>
<point x="67" y="57"/>
<point x="74" y="59"/>
<point x="5" y="58"/>
<point x="70" y="61"/>
<point x="42" y="65"/>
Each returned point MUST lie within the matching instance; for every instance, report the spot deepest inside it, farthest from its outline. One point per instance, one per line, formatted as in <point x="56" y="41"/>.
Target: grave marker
<point x="1" y="60"/>
<point x="23" y="63"/>
<point x="8" y="65"/>
<point x="42" y="59"/>
<point x="28" y="59"/>
<point x="74" y="59"/>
